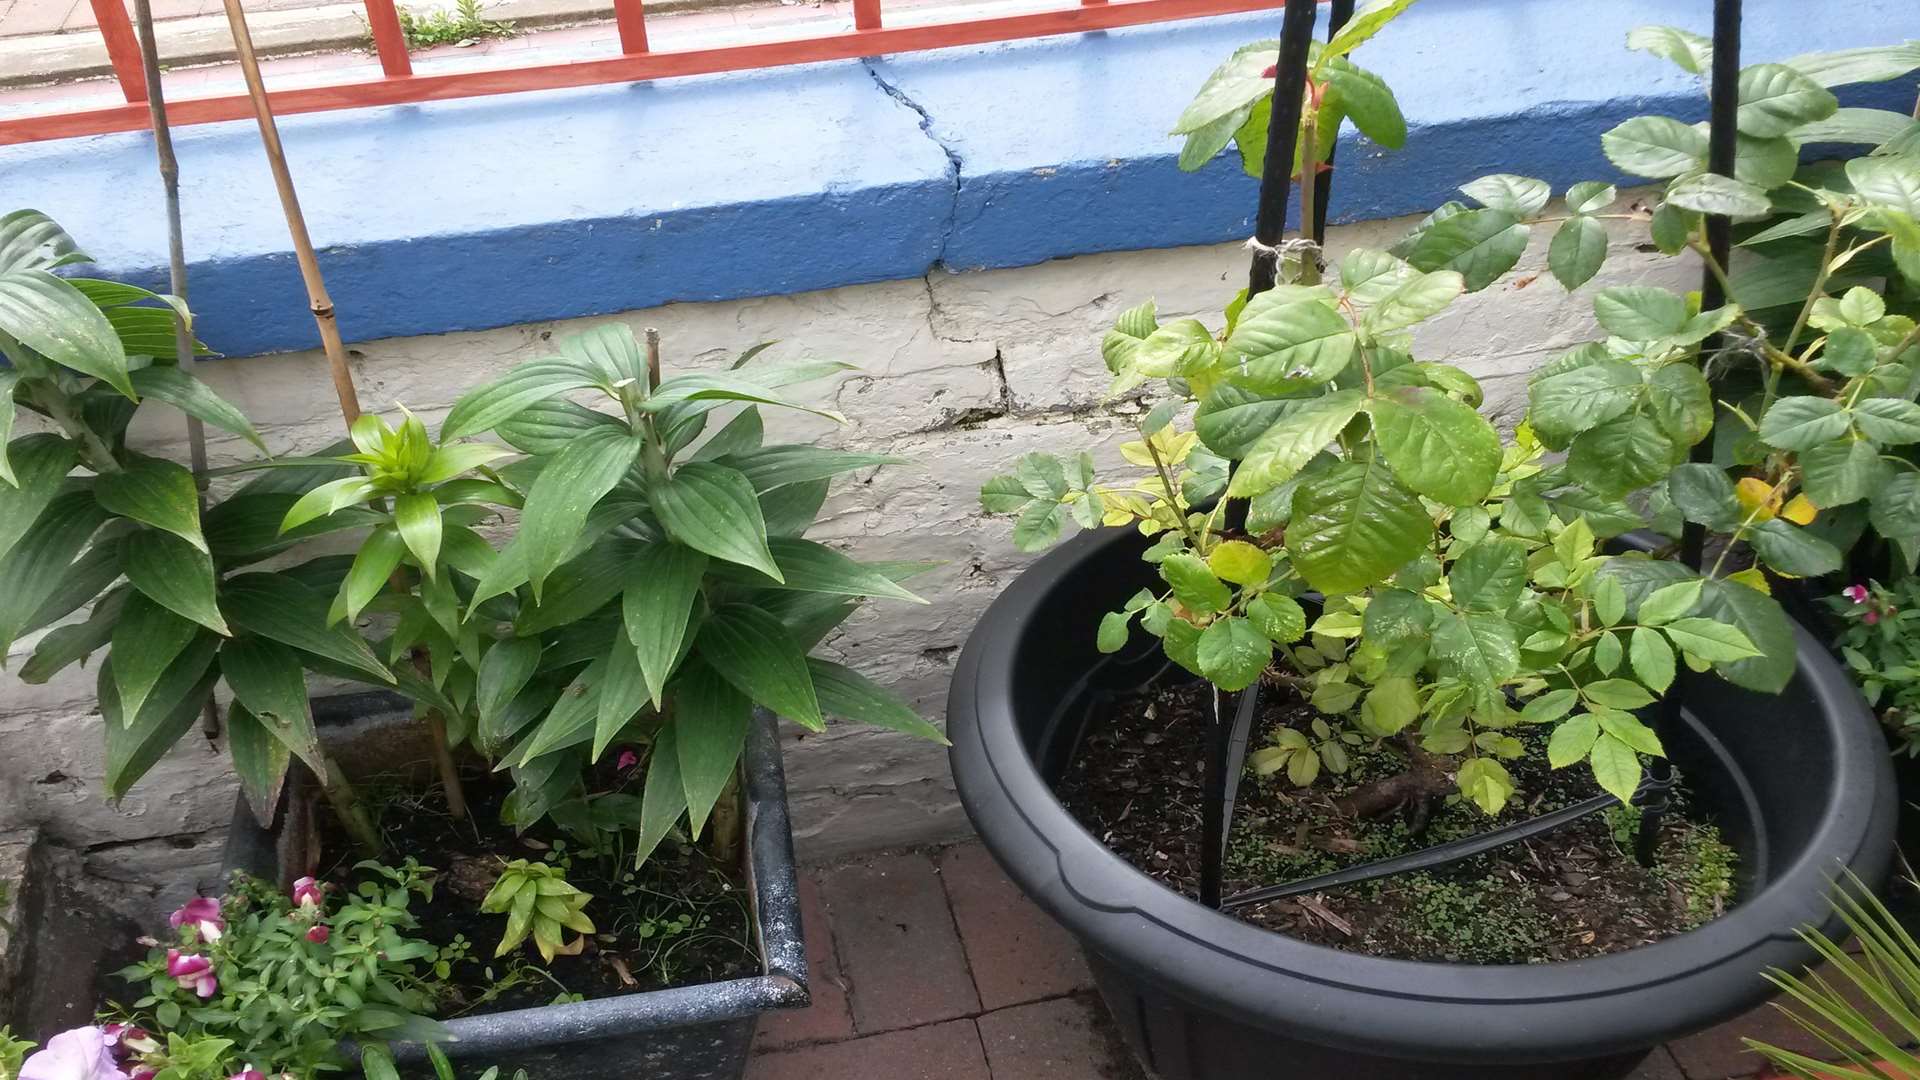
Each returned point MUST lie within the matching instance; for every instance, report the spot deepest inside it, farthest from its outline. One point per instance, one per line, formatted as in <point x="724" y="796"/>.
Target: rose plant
<point x="1302" y="450"/>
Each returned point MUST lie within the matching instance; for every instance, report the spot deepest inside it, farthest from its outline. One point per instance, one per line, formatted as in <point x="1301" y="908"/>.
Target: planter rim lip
<point x="776" y="925"/>
<point x="1066" y="867"/>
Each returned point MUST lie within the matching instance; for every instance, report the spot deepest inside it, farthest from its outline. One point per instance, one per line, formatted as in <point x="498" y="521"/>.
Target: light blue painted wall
<point x="484" y="213"/>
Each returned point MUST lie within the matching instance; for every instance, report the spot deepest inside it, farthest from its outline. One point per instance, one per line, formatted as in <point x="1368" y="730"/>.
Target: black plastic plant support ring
<point x="1453" y="851"/>
<point x="1283" y="134"/>
<point x="1722" y="146"/>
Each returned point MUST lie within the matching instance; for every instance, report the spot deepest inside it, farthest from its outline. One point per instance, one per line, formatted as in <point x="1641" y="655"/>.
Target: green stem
<point x="93" y="449"/>
<point x="348" y="807"/>
<point x="1173" y="493"/>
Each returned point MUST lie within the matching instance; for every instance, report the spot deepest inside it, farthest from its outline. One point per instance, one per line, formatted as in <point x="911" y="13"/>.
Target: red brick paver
<point x="897" y="943"/>
<point x="1062" y="1039"/>
<point x="949" y="1051"/>
<point x="828" y="1019"/>
<point x="1016" y="952"/>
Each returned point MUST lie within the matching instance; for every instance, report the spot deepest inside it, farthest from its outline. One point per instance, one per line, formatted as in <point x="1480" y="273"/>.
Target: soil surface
<point x="681" y="919"/>
<point x="1135" y="782"/>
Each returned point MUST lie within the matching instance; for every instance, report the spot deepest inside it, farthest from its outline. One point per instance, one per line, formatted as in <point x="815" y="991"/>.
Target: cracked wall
<point x="961" y="373"/>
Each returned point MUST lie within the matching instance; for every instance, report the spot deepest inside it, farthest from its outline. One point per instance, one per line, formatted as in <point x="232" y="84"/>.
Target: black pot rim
<point x="1332" y="997"/>
<point x="776" y="907"/>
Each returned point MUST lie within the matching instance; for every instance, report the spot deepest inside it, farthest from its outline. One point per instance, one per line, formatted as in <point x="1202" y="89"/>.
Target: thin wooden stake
<point x="317" y="298"/>
<point x="176" y="259"/>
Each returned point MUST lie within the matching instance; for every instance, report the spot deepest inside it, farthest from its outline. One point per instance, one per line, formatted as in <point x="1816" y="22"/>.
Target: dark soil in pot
<point x="681" y="919"/>
<point x="1135" y="783"/>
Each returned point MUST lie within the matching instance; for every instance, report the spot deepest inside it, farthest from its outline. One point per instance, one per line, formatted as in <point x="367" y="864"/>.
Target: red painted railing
<point x="869" y="37"/>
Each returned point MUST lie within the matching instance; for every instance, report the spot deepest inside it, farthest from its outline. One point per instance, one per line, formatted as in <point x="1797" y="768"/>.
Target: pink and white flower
<point x="81" y="1054"/>
<point x="306" y="893"/>
<point x="318" y="933"/>
<point x="628" y="759"/>
<point x="192" y="972"/>
<point x="1856" y="593"/>
<point x="202" y="914"/>
<point x="248" y="1073"/>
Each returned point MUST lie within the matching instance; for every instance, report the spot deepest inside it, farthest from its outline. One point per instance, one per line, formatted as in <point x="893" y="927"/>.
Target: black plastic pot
<point x="688" y="1033"/>
<point x="1800" y="783"/>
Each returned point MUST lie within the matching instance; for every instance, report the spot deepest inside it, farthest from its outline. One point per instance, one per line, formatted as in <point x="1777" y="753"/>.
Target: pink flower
<point x="628" y="759"/>
<point x="318" y="934"/>
<point x="1870" y="618"/>
<point x="192" y="972"/>
<point x="247" y="1074"/>
<point x="306" y="893"/>
<point x="81" y="1054"/>
<point x="144" y="1073"/>
<point x="202" y="914"/>
<point x="126" y="1039"/>
<point x="1855" y="593"/>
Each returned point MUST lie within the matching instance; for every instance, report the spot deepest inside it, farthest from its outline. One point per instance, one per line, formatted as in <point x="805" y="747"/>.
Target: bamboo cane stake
<point x="317" y="298"/>
<point x="176" y="258"/>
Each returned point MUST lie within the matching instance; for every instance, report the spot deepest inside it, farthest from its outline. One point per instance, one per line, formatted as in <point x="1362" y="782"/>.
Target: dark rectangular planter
<point x="699" y="1032"/>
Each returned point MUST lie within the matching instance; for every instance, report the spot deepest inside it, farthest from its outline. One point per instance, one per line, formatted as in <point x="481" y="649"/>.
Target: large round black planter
<point x="701" y="1032"/>
<point x="1799" y="782"/>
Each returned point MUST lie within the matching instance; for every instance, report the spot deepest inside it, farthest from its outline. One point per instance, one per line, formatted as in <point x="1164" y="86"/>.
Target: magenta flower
<point x="1855" y="593"/>
<point x="1870" y="618"/>
<point x="192" y="972"/>
<point x="318" y="934"/>
<point x="81" y="1054"/>
<point x="247" y="1074"/>
<point x="126" y="1039"/>
<point x="306" y="893"/>
<point x="628" y="759"/>
<point x="202" y="914"/>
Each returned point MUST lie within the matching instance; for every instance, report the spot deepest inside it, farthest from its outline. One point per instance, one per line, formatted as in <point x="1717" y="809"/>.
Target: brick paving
<point x="932" y="966"/>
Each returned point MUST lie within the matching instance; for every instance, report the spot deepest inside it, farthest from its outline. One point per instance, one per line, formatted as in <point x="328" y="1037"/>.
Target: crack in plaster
<point x="954" y="163"/>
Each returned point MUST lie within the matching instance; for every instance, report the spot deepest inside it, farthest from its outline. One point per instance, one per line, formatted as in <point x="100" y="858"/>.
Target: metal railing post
<point x="123" y="49"/>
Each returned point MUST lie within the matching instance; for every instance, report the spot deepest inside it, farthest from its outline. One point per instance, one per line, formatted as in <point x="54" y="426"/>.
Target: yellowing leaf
<point x="1753" y="578"/>
<point x="1800" y="511"/>
<point x="1757" y="498"/>
<point x="1240" y="562"/>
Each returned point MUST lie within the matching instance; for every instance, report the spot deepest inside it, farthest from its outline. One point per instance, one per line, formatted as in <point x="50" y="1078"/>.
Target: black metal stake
<point x="1722" y="144"/>
<point x="1226" y="755"/>
<point x="1337" y="17"/>
<point x="1283" y="134"/>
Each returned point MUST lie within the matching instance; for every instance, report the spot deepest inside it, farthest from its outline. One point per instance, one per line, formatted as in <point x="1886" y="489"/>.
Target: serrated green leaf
<point x="1711" y="193"/>
<point x="1284" y="347"/>
<point x="1486" y="783"/>
<point x="1669" y="602"/>
<point x="1710" y="640"/>
<point x="1651" y="658"/>
<point x="1802" y="423"/>
<point x="1353" y="525"/>
<point x="1279" y="617"/>
<point x="1435" y="445"/>
<point x="1563" y="404"/>
<point x="1480" y="648"/>
<point x="1790" y="549"/>
<point x="1837" y="473"/>
<point x="1490" y="576"/>
<point x="1640" y="312"/>
<point x="1520" y="195"/>
<point x="1278" y="454"/>
<point x="1775" y="99"/>
<point x="1655" y="147"/>
<point x="1578" y="249"/>
<point x="1572" y="740"/>
<point x="1703" y="494"/>
<point x="1480" y="245"/>
<point x="1622" y="455"/>
<point x="1616" y="767"/>
<point x="1691" y="51"/>
<point x="1232" y="654"/>
<point x="1194" y="583"/>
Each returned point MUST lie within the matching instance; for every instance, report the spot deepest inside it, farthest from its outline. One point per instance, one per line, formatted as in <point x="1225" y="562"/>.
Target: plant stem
<point x="347" y="806"/>
<point x="1309" y="178"/>
<point x="723" y="836"/>
<point x="443" y="759"/>
<point x="94" y="452"/>
<point x="1819" y="288"/>
<point x="1777" y="358"/>
<point x="1173" y="493"/>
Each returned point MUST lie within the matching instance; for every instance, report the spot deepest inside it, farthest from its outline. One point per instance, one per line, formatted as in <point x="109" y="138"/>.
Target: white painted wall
<point x="962" y="373"/>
